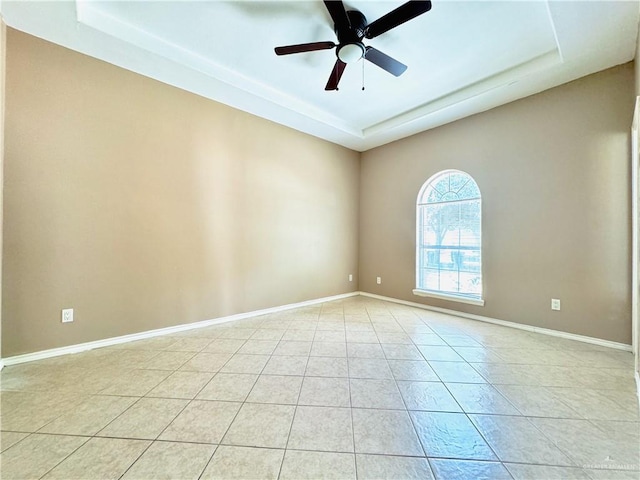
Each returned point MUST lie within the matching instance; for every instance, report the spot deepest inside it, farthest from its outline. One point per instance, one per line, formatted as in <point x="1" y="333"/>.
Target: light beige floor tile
<point x="506" y="374"/>
<point x="293" y="348"/>
<point x="243" y="463"/>
<point x="393" y="337"/>
<point x="261" y="425"/>
<point x="34" y="409"/>
<point x="259" y="347"/>
<point x="386" y="432"/>
<point x="428" y="339"/>
<point x="299" y="335"/>
<point x="337" y="326"/>
<point x="36" y="455"/>
<point x="91" y="416"/>
<point x="8" y="439"/>
<point x="612" y="474"/>
<point x="144" y="420"/>
<point x="330" y="336"/>
<point x="373" y="393"/>
<point x="327" y="367"/>
<point x="460" y="341"/>
<point x="286" y="365"/>
<point x="360" y="336"/>
<point x="268" y="334"/>
<point x="537" y="357"/>
<point x="478" y="354"/>
<point x="127" y="358"/>
<point x="365" y="350"/>
<point x="202" y="421"/>
<point x="322" y="429"/>
<point x="481" y="398"/>
<point x="591" y="446"/>
<point x="432" y="396"/>
<point x="103" y="458"/>
<point x="240" y="363"/>
<point x="439" y="353"/>
<point x="445" y="469"/>
<point x="534" y="401"/>
<point x="328" y="349"/>
<point x="318" y="466"/>
<point x="385" y="467"/>
<point x="189" y="345"/>
<point x="401" y="352"/>
<point x="224" y="345"/>
<point x="604" y="359"/>
<point x="417" y="370"/>
<point x="156" y="343"/>
<point x="450" y="435"/>
<point x="324" y="391"/>
<point x="237" y="333"/>
<point x="598" y="404"/>
<point x="281" y="389"/>
<point x="515" y="439"/>
<point x="181" y="385"/>
<point x="521" y="471"/>
<point x="456" y="372"/>
<point x="207" y="362"/>
<point x="369" y="368"/>
<point x="167" y="361"/>
<point x="231" y="387"/>
<point x="171" y="460"/>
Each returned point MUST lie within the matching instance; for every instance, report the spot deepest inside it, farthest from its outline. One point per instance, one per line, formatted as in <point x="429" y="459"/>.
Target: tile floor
<point x="357" y="388"/>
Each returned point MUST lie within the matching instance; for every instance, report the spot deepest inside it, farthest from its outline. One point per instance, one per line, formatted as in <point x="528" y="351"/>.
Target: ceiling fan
<point x="351" y="27"/>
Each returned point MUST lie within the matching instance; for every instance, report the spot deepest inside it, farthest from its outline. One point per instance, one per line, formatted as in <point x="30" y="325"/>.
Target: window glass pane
<point x="449" y="229"/>
<point x="469" y="190"/>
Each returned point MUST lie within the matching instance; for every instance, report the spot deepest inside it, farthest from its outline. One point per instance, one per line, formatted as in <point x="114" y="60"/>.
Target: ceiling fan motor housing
<point x="350" y="37"/>
<point x="354" y="32"/>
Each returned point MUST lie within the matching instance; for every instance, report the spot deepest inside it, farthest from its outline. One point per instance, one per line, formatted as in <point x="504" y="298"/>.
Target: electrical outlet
<point x="350" y="277"/>
<point x="67" y="315"/>
<point x="378" y="280"/>
<point x="555" y="304"/>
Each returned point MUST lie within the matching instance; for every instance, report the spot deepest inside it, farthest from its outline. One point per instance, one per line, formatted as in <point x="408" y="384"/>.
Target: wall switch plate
<point x="555" y="304"/>
<point x="67" y="315"/>
<point x="351" y="277"/>
<point x="378" y="280"/>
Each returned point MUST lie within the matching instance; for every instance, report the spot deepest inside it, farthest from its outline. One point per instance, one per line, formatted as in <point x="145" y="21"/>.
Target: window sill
<point x="453" y="298"/>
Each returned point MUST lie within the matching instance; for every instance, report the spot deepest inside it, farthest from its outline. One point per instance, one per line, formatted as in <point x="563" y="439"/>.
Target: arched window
<point x="449" y="238"/>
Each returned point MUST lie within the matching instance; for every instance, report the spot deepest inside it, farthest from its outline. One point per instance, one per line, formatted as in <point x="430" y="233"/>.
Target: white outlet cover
<point x="555" y="304"/>
<point x="378" y="280"/>
<point x="350" y="277"/>
<point x="67" y="315"/>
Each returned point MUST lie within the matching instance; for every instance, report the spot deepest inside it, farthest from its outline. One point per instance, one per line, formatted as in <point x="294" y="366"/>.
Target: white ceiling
<point x="464" y="57"/>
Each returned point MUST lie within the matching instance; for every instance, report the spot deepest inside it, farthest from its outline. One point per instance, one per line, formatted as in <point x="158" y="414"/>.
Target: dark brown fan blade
<point x="385" y="62"/>
<point x="336" y="74"/>
<point x="304" y="47"/>
<point x="338" y="14"/>
<point x="396" y="17"/>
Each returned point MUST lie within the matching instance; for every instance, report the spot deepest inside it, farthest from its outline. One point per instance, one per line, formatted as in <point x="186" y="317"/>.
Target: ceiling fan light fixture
<point x="351" y="52"/>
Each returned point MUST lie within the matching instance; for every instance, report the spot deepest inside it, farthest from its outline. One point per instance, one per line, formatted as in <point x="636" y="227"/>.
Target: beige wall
<point x="554" y="173"/>
<point x="3" y="46"/>
<point x="636" y="64"/>
<point x="143" y="206"/>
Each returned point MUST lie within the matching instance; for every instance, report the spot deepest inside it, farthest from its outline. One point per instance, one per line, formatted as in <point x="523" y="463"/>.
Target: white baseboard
<point x="505" y="323"/>
<point x="637" y="375"/>
<point x="81" y="347"/>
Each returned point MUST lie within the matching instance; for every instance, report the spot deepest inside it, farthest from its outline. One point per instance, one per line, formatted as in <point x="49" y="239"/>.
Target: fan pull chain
<point x="362" y="60"/>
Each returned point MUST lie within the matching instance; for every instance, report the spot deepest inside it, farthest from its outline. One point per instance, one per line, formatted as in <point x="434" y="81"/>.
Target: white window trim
<point x="449" y="296"/>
